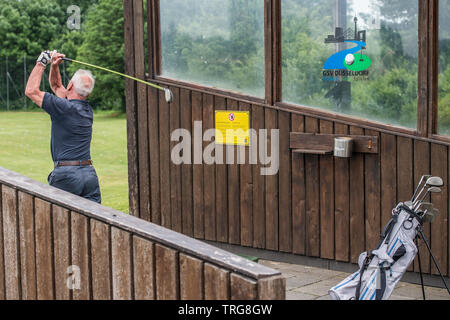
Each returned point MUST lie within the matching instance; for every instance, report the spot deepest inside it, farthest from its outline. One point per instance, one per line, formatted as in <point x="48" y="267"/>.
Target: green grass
<point x="25" y="148"/>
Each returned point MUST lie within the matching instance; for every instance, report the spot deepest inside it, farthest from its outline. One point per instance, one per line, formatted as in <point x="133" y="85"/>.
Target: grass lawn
<point x="25" y="148"/>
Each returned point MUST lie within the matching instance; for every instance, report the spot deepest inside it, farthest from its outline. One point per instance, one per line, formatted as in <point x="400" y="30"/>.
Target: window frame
<point x="427" y="81"/>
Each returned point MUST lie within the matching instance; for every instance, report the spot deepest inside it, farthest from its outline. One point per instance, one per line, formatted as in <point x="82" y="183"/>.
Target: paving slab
<point x="310" y="283"/>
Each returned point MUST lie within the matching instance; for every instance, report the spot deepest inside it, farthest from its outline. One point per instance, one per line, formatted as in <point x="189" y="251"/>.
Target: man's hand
<point x="55" y="76"/>
<point x="57" y="58"/>
<point x="45" y="58"/>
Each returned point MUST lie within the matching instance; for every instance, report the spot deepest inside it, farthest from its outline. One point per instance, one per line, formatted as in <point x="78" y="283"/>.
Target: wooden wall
<point x="316" y="206"/>
<point x="44" y="231"/>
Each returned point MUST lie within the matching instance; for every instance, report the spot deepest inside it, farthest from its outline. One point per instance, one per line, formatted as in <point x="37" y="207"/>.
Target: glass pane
<point x="444" y="67"/>
<point x="218" y="43"/>
<point x="357" y="57"/>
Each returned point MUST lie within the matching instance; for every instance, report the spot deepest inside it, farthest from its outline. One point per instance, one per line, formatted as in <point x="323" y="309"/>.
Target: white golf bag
<point x="381" y="269"/>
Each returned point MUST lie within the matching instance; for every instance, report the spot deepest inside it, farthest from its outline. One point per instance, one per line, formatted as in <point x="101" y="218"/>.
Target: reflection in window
<point x="444" y="67"/>
<point x="357" y="57"/>
<point x="218" y="43"/>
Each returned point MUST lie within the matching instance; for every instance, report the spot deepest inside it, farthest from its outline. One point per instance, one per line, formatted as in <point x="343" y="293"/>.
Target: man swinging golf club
<point x="72" y="119"/>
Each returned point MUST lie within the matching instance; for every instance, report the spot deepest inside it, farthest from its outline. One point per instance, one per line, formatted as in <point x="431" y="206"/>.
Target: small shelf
<point x="324" y="152"/>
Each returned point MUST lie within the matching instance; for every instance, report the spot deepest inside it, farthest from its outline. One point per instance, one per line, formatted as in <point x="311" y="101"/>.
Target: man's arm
<point x="32" y="90"/>
<point x="55" y="76"/>
<point x="33" y="86"/>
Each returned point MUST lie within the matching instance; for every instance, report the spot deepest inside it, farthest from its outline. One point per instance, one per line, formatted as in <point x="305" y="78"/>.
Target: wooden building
<point x="316" y="205"/>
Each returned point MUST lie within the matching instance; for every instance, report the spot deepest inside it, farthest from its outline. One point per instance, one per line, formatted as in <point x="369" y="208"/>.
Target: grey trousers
<point x="79" y="180"/>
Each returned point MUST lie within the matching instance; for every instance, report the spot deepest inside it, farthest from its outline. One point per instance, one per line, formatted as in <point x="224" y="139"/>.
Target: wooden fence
<point x="52" y="241"/>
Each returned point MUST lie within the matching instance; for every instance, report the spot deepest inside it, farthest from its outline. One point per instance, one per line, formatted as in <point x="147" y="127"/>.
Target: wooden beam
<point x="324" y="143"/>
<point x="433" y="67"/>
<point x="131" y="109"/>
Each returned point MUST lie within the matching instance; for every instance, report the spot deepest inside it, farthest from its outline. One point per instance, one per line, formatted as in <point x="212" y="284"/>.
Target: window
<point x="444" y="67"/>
<point x="357" y="57"/>
<point x="219" y="43"/>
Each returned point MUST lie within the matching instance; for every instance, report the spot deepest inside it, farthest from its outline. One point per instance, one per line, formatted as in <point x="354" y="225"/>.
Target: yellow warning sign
<point x="232" y="128"/>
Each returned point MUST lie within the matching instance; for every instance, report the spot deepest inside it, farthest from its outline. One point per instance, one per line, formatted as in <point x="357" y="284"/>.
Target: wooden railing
<point x="54" y="245"/>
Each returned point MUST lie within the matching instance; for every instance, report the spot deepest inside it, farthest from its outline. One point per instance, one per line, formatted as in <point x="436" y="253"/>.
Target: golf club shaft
<point x="115" y="72"/>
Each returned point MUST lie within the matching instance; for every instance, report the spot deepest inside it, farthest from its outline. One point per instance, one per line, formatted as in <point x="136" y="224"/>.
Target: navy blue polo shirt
<point x="71" y="128"/>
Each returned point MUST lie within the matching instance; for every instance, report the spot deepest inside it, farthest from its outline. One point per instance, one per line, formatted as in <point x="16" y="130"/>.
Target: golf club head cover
<point x="45" y="58"/>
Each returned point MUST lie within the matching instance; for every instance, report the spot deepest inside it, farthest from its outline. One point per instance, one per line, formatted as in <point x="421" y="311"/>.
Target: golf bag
<point x="381" y="269"/>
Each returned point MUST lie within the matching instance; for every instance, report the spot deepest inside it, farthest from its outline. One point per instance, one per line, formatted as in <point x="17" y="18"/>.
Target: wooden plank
<point x="388" y="176"/>
<point x="422" y="167"/>
<point x="273" y="288"/>
<point x="221" y="186"/>
<point x="284" y="184"/>
<point x="268" y="51"/>
<point x="131" y="108"/>
<point x="144" y="269"/>
<point x="246" y="191"/>
<point x="101" y="256"/>
<point x="198" y="168"/>
<point x="326" y="174"/>
<point x="259" y="204"/>
<point x="405" y="170"/>
<point x="11" y="244"/>
<point x="62" y="251"/>
<point x="357" y="213"/>
<point x="373" y="214"/>
<point x="209" y="173"/>
<point x="242" y="288"/>
<point x="312" y="182"/>
<point x="167" y="273"/>
<point x="164" y="164"/>
<point x="405" y="174"/>
<point x="191" y="278"/>
<point x="81" y="254"/>
<point x="142" y="116"/>
<point x="175" y="170"/>
<point x="216" y="283"/>
<point x="298" y="193"/>
<point x="2" y="261"/>
<point x="233" y="187"/>
<point x="122" y="272"/>
<point x="27" y="246"/>
<point x="44" y="265"/>
<point x="342" y="202"/>
<point x="187" y="209"/>
<point x="153" y="124"/>
<point x="271" y="192"/>
<point x="439" y="228"/>
<point x="312" y="141"/>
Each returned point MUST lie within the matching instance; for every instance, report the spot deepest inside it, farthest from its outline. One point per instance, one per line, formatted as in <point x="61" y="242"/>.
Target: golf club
<point x="167" y="93"/>
<point x="430" y="182"/>
<point x="430" y="190"/>
<point x="430" y="215"/>
<point x="418" y="186"/>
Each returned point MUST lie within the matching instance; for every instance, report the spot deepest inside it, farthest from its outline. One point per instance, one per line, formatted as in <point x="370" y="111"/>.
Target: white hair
<point x="83" y="87"/>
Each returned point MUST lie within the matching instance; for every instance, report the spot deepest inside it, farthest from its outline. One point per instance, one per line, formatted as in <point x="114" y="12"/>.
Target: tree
<point x="103" y="45"/>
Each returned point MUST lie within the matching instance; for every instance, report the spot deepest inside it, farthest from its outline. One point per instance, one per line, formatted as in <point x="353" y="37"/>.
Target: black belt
<point x="80" y="163"/>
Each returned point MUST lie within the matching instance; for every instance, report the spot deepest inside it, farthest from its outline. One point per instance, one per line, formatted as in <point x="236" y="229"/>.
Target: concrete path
<point x="308" y="283"/>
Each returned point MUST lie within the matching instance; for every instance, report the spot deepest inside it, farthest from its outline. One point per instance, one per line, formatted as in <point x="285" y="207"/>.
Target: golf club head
<point x="168" y="95"/>
<point x="435" y="182"/>
<point x="430" y="215"/>
<point x="425" y="206"/>
<point x="434" y="190"/>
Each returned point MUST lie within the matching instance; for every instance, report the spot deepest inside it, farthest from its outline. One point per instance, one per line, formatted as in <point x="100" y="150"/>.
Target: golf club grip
<point x="67" y="59"/>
